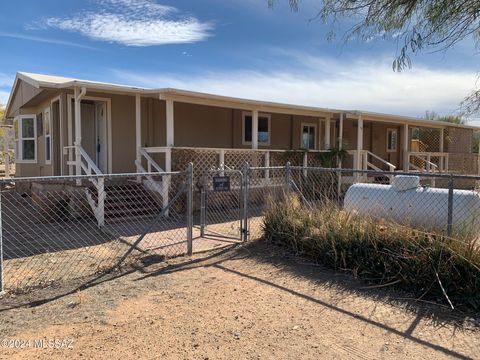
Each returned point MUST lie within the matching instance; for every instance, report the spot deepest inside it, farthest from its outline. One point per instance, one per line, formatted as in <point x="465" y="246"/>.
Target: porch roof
<point x="58" y="82"/>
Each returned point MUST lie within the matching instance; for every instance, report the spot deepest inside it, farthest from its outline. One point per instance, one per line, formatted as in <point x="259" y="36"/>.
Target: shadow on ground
<point x="260" y="253"/>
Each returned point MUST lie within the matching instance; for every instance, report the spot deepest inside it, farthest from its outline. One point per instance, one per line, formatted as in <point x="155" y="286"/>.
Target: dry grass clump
<point x="430" y="265"/>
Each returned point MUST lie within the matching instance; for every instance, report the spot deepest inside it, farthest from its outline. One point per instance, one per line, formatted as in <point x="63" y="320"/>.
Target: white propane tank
<point x="406" y="202"/>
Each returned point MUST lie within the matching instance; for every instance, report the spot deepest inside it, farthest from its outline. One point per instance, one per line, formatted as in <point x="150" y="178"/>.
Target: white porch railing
<point x="86" y="166"/>
<point x="160" y="187"/>
<point x="423" y="161"/>
<point x="366" y="164"/>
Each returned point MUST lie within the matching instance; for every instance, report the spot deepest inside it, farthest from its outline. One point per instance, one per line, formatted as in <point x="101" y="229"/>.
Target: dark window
<point x="263" y="130"/>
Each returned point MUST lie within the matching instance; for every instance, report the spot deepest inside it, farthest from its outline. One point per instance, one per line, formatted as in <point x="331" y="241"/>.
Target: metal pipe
<point x="190" y="209"/>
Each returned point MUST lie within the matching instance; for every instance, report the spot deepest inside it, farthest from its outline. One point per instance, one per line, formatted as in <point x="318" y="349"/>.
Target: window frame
<point x="19" y="139"/>
<point x="47" y="109"/>
<point x="316" y="137"/>
<point x="260" y="115"/>
<point x="392" y="130"/>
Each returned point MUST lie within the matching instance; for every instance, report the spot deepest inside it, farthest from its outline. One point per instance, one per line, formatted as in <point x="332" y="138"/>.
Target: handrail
<point x="90" y="168"/>
<point x="150" y="161"/>
<point x="390" y="165"/>
<point x="427" y="162"/>
<point x="90" y="164"/>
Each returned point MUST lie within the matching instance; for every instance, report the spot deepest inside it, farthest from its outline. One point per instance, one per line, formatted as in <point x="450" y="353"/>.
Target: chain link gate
<point x="223" y="211"/>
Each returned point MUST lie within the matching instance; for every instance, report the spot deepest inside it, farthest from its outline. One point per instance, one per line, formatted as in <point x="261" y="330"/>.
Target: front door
<point x="94" y="131"/>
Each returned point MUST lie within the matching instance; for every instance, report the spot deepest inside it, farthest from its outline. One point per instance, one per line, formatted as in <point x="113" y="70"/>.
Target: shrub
<point x="429" y="265"/>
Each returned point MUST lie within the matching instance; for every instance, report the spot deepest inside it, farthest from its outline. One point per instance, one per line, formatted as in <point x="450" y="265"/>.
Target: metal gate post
<point x="288" y="175"/>
<point x="246" y="181"/>
<point x="190" y="209"/>
<point x="2" y="284"/>
<point x="450" y="207"/>
<point x="203" y="208"/>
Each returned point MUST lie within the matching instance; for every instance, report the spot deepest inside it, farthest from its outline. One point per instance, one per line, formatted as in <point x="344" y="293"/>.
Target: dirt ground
<point x="246" y="302"/>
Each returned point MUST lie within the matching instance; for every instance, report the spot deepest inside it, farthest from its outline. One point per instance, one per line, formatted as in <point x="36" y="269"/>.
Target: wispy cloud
<point x="44" y="40"/>
<point x="135" y="23"/>
<point x="6" y="80"/>
<point x="325" y="82"/>
<point x="3" y="98"/>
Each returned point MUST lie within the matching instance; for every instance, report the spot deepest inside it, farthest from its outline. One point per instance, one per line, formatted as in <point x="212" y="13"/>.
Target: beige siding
<point x="203" y="126"/>
<point x="22" y="95"/>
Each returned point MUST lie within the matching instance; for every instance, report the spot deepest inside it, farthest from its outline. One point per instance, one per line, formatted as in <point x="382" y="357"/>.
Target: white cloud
<point x="135" y="23"/>
<point x="6" y="80"/>
<point x="44" y="40"/>
<point x="316" y="81"/>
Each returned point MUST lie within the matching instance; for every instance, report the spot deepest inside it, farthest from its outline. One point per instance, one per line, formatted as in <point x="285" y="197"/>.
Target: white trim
<point x="60" y="120"/>
<point x="396" y="140"/>
<point x="304" y="123"/>
<point x="260" y="115"/>
<point x="138" y="127"/>
<point x="169" y="122"/>
<point x="55" y="82"/>
<point x="19" y="147"/>
<point x="327" y="141"/>
<point x="47" y="110"/>
<point x="108" y="130"/>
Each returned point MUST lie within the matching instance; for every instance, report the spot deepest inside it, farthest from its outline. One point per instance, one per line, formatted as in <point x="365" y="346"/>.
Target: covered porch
<point x="173" y="128"/>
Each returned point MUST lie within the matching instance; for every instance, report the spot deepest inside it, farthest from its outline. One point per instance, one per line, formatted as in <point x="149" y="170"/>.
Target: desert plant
<point x="332" y="157"/>
<point x="429" y="265"/>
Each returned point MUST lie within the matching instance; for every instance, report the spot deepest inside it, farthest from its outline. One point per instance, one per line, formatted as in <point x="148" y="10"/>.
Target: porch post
<point x="170" y="122"/>
<point x="170" y="142"/>
<point x="327" y="134"/>
<point x="78" y="94"/>
<point x="254" y="129"/>
<point x="359" y="143"/>
<point x="340" y="133"/>
<point x="138" y="130"/>
<point x="406" y="160"/>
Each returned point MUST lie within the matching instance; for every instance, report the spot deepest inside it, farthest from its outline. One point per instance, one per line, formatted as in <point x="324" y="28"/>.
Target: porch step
<point x="124" y="201"/>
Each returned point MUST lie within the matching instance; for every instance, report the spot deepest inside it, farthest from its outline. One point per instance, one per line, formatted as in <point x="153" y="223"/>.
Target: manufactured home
<point x="66" y="126"/>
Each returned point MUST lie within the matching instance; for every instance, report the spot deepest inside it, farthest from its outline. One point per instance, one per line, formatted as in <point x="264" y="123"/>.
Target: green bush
<point x="380" y="252"/>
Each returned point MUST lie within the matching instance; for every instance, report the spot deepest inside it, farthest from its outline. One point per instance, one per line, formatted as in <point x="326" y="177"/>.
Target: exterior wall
<point x="215" y="127"/>
<point x="374" y="140"/>
<point x="40" y="168"/>
<point x="22" y="95"/>
<point x="378" y="144"/>
<point x="122" y="128"/>
<point x="123" y="133"/>
<point x="204" y="126"/>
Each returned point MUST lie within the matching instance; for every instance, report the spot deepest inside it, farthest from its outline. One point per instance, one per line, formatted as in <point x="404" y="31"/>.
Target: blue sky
<point x="236" y="48"/>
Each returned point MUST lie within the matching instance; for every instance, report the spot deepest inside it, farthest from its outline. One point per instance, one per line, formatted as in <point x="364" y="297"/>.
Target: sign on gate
<point x="221" y="183"/>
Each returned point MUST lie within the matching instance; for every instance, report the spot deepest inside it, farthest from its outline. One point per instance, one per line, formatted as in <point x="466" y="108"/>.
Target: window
<point x="392" y="140"/>
<point x="48" y="138"/>
<point x="25" y="138"/>
<point x="309" y="132"/>
<point x="263" y="129"/>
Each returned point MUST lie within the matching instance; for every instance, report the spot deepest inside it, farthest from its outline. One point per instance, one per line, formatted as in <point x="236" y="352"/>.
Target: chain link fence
<point x="59" y="228"/>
